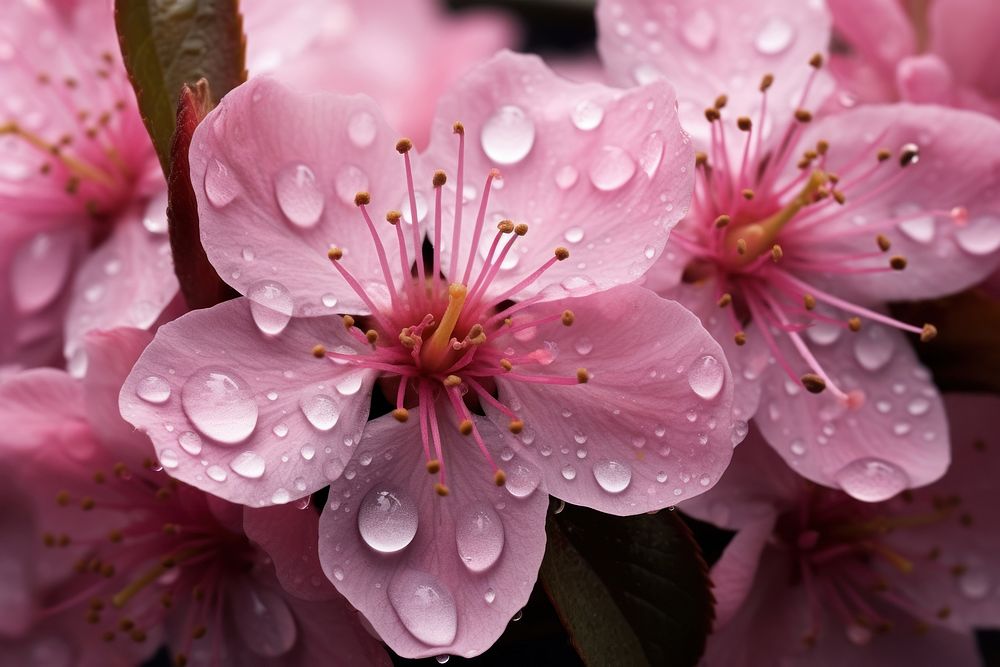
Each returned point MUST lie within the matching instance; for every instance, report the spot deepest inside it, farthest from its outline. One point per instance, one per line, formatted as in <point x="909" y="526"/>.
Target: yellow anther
<point x="433" y="466"/>
<point x="362" y="199"/>
<point x="392" y="217"/>
<point x="725" y="300"/>
<point x="582" y="376"/>
<point x="568" y="317"/>
<point x="561" y="253"/>
<point x="928" y="333"/>
<point x="439" y="179"/>
<point x="441" y="489"/>
<point x="722" y="221"/>
<point x="809" y="301"/>
<point x="335" y="253"/>
<point x="516" y="426"/>
<point x="776" y="252"/>
<point x="506" y="365"/>
<point x="740" y="338"/>
<point x="747" y="193"/>
<point x="371" y="336"/>
<point x="452" y="381"/>
<point x="499" y="478"/>
<point x="883" y="242"/>
<point x="318" y="351"/>
<point x="505" y="226"/>
<point x="348" y="321"/>
<point x="741" y="246"/>
<point x="520" y="229"/>
<point x="401" y="414"/>
<point x="854" y="324"/>
<point x="465" y="427"/>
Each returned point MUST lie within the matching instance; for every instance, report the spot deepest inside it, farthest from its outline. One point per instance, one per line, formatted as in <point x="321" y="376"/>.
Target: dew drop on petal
<point x="249" y="465"/>
<point x="155" y="217"/>
<point x="873" y="347"/>
<point x="219" y="403"/>
<point x="490" y="595"/>
<point x="568" y="472"/>
<point x="612" y="169"/>
<point x="216" y="473"/>
<point x="612" y="476"/>
<point x="361" y="129"/>
<point x="280" y="497"/>
<point x="387" y="520"/>
<point x="299" y="198"/>
<point x="980" y="237"/>
<point x="566" y="177"/>
<point x="508" y="135"/>
<point x="699" y="30"/>
<point x="190" y="442"/>
<point x="587" y="115"/>
<point x="975" y="584"/>
<point x="350" y="384"/>
<point x="871" y="479"/>
<point x="351" y="179"/>
<point x="425" y="606"/>
<point x="270" y="305"/>
<point x="321" y="411"/>
<point x="774" y="37"/>
<point x="651" y="154"/>
<point x="706" y="376"/>
<point x="168" y="459"/>
<point x="479" y="536"/>
<point x="38" y="272"/>
<point x="221" y="187"/>
<point x="153" y="389"/>
<point x="917" y="227"/>
<point x="307" y="452"/>
<point x="522" y="480"/>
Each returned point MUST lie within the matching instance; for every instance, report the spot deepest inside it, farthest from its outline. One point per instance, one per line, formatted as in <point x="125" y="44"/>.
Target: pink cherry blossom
<point x="814" y="577"/>
<point x="103" y="554"/>
<point x="786" y="255"/>
<point x="532" y="323"/>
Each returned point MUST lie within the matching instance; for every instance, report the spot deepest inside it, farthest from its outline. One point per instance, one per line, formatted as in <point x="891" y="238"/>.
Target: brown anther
<point x="740" y="338"/>
<point x="928" y="333"/>
<point x="810" y="155"/>
<point x="561" y="253"/>
<point x="107" y="570"/>
<point x="813" y="383"/>
<point x="120" y="470"/>
<point x="199" y="631"/>
<point x="944" y="612"/>
<point x="520" y="229"/>
<point x="499" y="478"/>
<point x="115" y="536"/>
<point x="505" y="226"/>
<point x="838" y="197"/>
<point x="741" y="246"/>
<point x="138" y="636"/>
<point x="318" y="351"/>
<point x="700" y="159"/>
<point x="93" y="617"/>
<point x="854" y="324"/>
<point x="515" y="426"/>
<point x="63" y="540"/>
<point x="441" y="489"/>
<point x="62" y="498"/>
<point x="722" y="221"/>
<point x="506" y="365"/>
<point x="765" y="82"/>
<point x="747" y="194"/>
<point x="171" y="529"/>
<point x="777" y="253"/>
<point x="744" y="123"/>
<point x="568" y="318"/>
<point x="458" y="128"/>
<point x="816" y="61"/>
<point x="99" y="477"/>
<point x="198" y="593"/>
<point x="803" y="116"/>
<point x="433" y="466"/>
<point x="125" y="624"/>
<point x="908" y="155"/>
<point x="822" y="146"/>
<point x="439" y="178"/>
<point x="883" y="242"/>
<point x="49" y="540"/>
<point x="804" y="163"/>
<point x="476" y="335"/>
<point x="362" y="199"/>
<point x="348" y="321"/>
<point x="392" y="217"/>
<point x="87" y="503"/>
<point x="162" y="493"/>
<point x="401" y="415"/>
<point x="452" y="381"/>
<point x="334" y="253"/>
<point x="883" y="154"/>
<point x="712" y="114"/>
<point x="108" y="636"/>
<point x="721" y="101"/>
<point x="180" y="660"/>
<point x="965" y="520"/>
<point x="72" y="185"/>
<point x="897" y="262"/>
<point x="725" y="300"/>
<point x="97" y="603"/>
<point x="372" y="336"/>
<point x="582" y="376"/>
<point x="403" y="146"/>
<point x="465" y="427"/>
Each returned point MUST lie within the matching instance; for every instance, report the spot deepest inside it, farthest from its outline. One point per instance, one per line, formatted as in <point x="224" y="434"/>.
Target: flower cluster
<point x="468" y="284"/>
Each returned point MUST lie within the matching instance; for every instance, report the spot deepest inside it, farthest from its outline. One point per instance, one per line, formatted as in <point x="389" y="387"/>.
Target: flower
<point x="801" y="225"/>
<point x="816" y="577"/>
<point x="103" y="553"/>
<point x="511" y="362"/>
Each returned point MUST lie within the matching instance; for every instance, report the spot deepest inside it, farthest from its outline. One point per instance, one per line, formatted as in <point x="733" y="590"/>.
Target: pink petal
<point x="925" y="79"/>
<point x="47" y="405"/>
<point x="653" y="425"/>
<point x="734" y="573"/>
<point x="288" y="535"/>
<point x="709" y="49"/>
<point x="18" y="552"/>
<point x="599" y="171"/>
<point x="896" y="439"/>
<point x="434" y="575"/>
<point x="252" y="418"/>
<point x="281" y="195"/>
<point x="879" y="32"/>
<point x="961" y="33"/>
<point x="128" y="281"/>
<point x="945" y="254"/>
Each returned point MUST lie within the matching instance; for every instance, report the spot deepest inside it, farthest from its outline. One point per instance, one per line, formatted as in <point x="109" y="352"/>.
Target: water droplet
<point x="566" y="177"/>
<point x="270" y="305"/>
<point x="387" y="520"/>
<point x="612" y="476"/>
<point x="441" y="659"/>
<point x="299" y="198"/>
<point x="508" y="135"/>
<point x="249" y="465"/>
<point x="280" y="430"/>
<point x="490" y="595"/>
<point x="587" y="115"/>
<point x="568" y="472"/>
<point x="155" y="217"/>
<point x="351" y="180"/>
<point x="706" y="376"/>
<point x="190" y="442"/>
<point x="574" y="235"/>
<point x="699" y="30"/>
<point x="425" y="606"/>
<point x="522" y="480"/>
<point x="873" y="348"/>
<point x="216" y="473"/>
<point x="871" y="480"/>
<point x="308" y="452"/>
<point x="649" y="252"/>
<point x="321" y="411"/>
<point x="980" y="237"/>
<point x="361" y="129"/>
<point x="612" y="169"/>
<point x="39" y="271"/>
<point x="823" y="333"/>
<point x="280" y="497"/>
<point x="168" y="459"/>
<point x="220" y="186"/>
<point x="153" y="389"/>
<point x="798" y="447"/>
<point x="920" y="228"/>
<point x="219" y="403"/>
<point x="350" y="384"/>
<point x="858" y="634"/>
<point x="479" y="536"/>
<point x="975" y="584"/>
<point x="774" y="36"/>
<point x="651" y="154"/>
<point x="329" y="300"/>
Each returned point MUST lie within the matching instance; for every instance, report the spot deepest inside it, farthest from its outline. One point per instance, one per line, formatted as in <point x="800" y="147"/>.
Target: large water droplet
<point x="153" y="389"/>
<point x="249" y="465"/>
<point x="219" y="403"/>
<point x="574" y="235"/>
<point x="361" y="129"/>
<point x="39" y="271"/>
<point x="155" y="217"/>
<point x="270" y="305"/>
<point x="321" y="411"/>
<point x="299" y="198"/>
<point x="699" y="30"/>
<point x="774" y="36"/>
<point x="612" y="169"/>
<point x="479" y="536"/>
<point x="587" y="115"/>
<point x="873" y="348"/>
<point x="508" y="135"/>
<point x="980" y="237"/>
<point x="871" y="480"/>
<point x="918" y="227"/>
<point x="387" y="520"/>
<point x="522" y="480"/>
<point x="706" y="376"/>
<point x="612" y="476"/>
<point x="651" y="154"/>
<point x="425" y="606"/>
<point x="351" y="180"/>
<point x="220" y="186"/>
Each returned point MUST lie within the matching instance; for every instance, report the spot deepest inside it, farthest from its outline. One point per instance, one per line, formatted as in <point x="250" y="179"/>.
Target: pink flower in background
<point x="813" y="577"/>
<point x="786" y="255"/>
<point x="103" y="555"/>
<point x="435" y="524"/>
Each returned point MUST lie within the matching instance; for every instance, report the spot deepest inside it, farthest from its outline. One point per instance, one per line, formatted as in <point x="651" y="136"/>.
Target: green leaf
<point x="169" y="43"/>
<point x="630" y="590"/>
